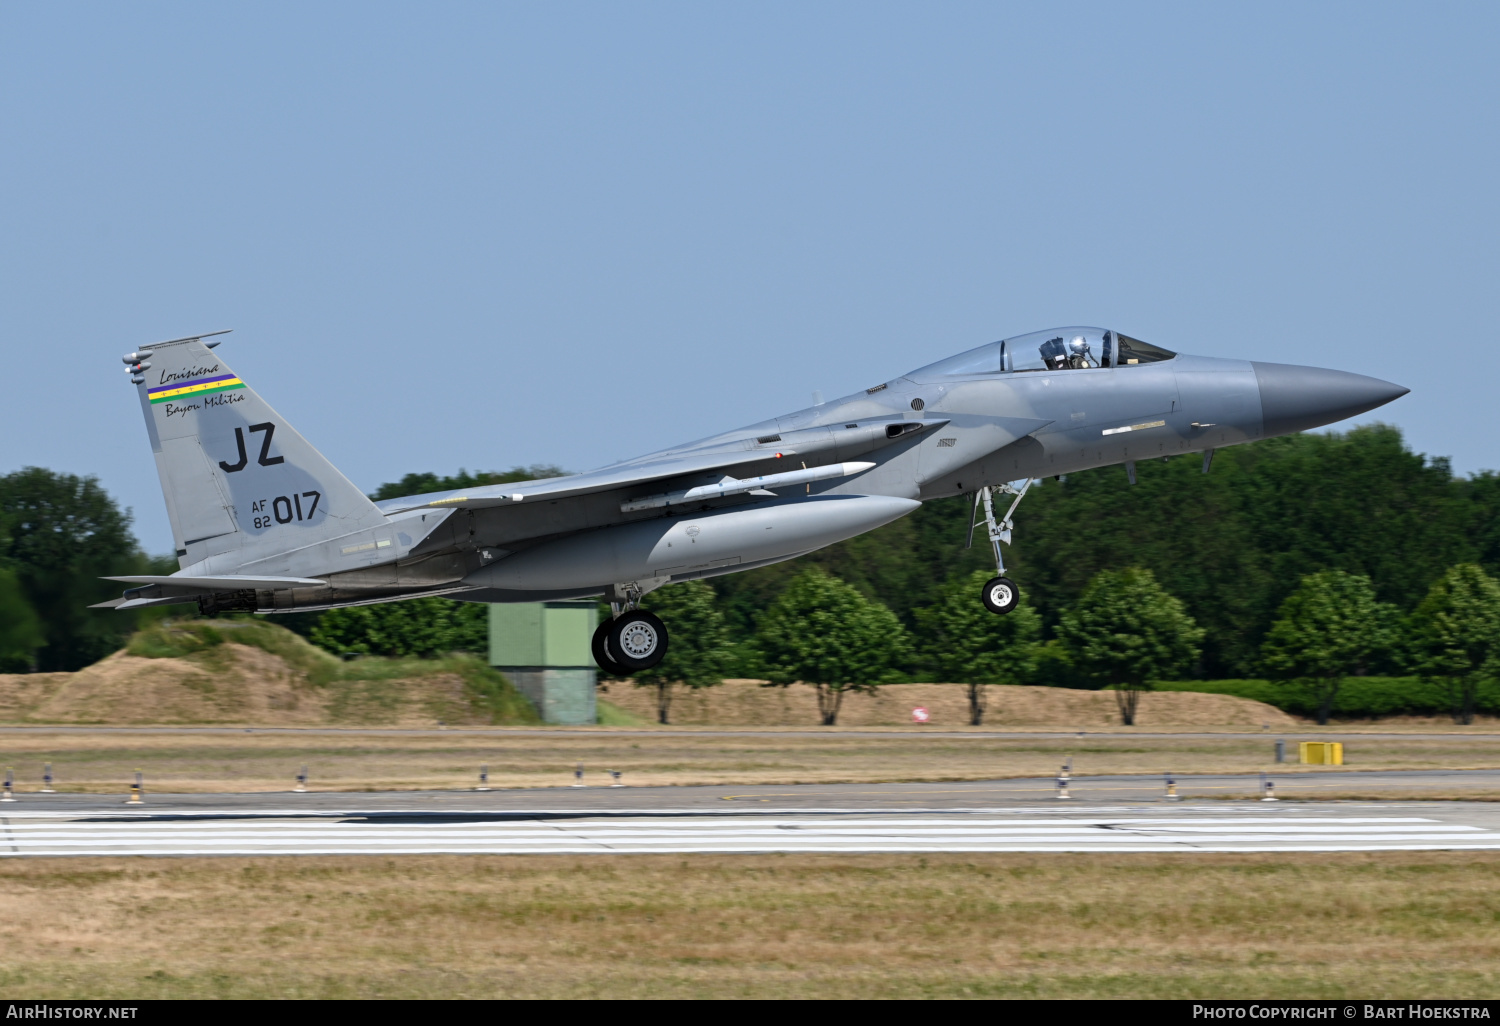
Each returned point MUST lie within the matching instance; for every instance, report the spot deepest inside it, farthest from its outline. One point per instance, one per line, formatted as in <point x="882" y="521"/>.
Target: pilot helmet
<point x="1078" y="347"/>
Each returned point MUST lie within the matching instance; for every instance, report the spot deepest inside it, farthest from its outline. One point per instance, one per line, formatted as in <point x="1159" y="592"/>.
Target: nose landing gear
<point x="1000" y="593"/>
<point x="631" y="641"/>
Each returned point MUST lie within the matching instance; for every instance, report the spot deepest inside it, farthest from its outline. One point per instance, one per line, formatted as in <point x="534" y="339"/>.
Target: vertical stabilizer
<point x="240" y="482"/>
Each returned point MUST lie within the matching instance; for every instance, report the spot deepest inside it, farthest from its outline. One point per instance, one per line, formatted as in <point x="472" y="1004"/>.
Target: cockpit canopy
<point x="1068" y="354"/>
<point x="1058" y="349"/>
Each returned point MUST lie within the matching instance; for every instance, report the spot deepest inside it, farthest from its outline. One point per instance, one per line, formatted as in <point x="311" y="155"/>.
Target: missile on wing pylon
<point x="737" y="486"/>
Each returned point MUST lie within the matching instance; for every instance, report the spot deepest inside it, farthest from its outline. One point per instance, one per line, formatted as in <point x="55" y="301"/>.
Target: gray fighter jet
<point x="264" y="523"/>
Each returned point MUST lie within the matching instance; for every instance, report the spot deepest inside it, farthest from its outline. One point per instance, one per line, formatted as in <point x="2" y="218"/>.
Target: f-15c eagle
<point x="264" y="523"/>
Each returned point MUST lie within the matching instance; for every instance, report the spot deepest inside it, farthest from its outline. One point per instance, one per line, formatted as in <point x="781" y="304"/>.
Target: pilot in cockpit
<point x="1073" y="354"/>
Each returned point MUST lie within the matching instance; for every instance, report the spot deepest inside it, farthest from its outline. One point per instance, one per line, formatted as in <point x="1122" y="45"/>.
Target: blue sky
<point x="487" y="234"/>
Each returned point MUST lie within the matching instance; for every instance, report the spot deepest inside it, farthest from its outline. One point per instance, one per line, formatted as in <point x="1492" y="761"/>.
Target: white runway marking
<point x="39" y="834"/>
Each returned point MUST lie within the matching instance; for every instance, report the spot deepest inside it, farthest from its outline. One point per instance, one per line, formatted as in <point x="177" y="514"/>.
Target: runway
<point x="1106" y="814"/>
<point x="1210" y="827"/>
<point x="950" y="796"/>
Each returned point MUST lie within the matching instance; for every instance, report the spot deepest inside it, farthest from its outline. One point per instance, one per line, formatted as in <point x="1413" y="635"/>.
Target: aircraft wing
<point x="642" y="471"/>
<point x="600" y="480"/>
<point x="661" y="466"/>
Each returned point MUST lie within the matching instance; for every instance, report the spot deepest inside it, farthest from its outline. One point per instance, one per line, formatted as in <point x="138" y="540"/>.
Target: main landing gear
<point x="631" y="641"/>
<point x="1000" y="593"/>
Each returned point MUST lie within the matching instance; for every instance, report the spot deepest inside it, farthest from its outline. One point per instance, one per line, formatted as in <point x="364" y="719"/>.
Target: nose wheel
<point x="629" y="643"/>
<point x="1000" y="593"/>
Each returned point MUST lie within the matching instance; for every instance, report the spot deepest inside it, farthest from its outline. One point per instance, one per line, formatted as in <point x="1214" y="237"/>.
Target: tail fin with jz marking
<point x="241" y="484"/>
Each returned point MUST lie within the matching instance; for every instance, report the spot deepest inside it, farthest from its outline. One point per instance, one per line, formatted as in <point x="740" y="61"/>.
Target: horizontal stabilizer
<point x="125" y="604"/>
<point x="228" y="582"/>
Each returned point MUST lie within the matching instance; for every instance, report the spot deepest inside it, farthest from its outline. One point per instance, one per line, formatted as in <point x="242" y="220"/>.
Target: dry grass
<point x="1389" y="925"/>
<point x="374" y="760"/>
<point x="748" y="703"/>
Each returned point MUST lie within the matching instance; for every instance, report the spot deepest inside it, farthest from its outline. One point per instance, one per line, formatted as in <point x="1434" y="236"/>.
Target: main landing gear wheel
<point x="600" y="648"/>
<point x="1000" y="595"/>
<point x="636" y="640"/>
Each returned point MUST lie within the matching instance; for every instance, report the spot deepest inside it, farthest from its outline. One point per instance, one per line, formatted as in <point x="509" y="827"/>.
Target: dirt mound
<point x="255" y="673"/>
<point x="242" y="685"/>
<point x="747" y="703"/>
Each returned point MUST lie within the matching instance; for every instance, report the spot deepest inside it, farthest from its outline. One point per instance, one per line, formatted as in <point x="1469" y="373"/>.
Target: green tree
<point x="699" y="648"/>
<point x="1482" y="493"/>
<point x="1232" y="544"/>
<point x="967" y="643"/>
<point x="824" y="633"/>
<point x="63" y="534"/>
<point x="415" y="627"/>
<point x="1454" y="635"/>
<point x="20" y="632"/>
<point x="1330" y="628"/>
<point x="1126" y="631"/>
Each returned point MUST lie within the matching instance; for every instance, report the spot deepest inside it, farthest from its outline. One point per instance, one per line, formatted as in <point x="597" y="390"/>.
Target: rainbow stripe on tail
<point x="200" y="386"/>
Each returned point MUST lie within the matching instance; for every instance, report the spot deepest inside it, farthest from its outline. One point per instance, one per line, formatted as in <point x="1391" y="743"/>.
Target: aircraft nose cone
<point x="1298" y="398"/>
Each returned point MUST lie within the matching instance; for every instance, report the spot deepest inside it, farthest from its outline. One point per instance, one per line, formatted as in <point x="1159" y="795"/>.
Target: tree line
<point x="1231" y="545"/>
<point x="1125" y="633"/>
<point x="59" y="534"/>
<point x="1230" y="548"/>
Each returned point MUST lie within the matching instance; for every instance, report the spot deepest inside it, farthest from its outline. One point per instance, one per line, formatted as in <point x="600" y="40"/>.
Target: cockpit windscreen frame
<point x="1079" y="348"/>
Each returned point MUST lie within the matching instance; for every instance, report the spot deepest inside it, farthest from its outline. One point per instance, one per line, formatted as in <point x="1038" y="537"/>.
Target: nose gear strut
<point x="1000" y="593"/>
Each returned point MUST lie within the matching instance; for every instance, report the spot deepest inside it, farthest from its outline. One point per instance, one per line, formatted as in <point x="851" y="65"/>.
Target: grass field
<point x="1388" y="925"/>
<point x="189" y="761"/>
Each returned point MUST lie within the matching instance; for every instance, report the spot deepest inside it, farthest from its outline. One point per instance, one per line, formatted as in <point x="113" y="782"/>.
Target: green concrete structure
<point x="543" y="647"/>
